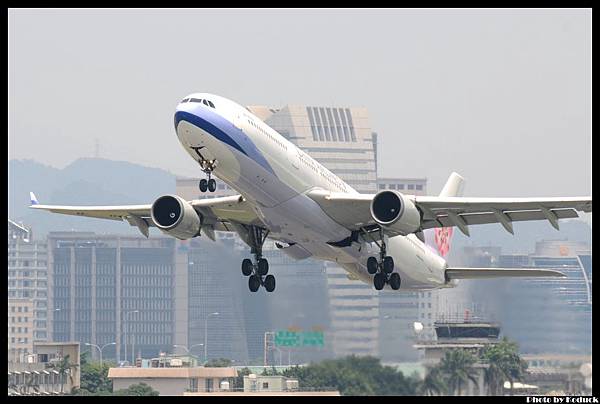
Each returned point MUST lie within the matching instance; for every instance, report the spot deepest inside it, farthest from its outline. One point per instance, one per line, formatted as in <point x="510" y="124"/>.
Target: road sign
<point x="299" y="338"/>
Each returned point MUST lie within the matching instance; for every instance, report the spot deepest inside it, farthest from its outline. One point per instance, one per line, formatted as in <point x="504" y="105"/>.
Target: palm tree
<point x="64" y="367"/>
<point x="458" y="367"/>
<point x="504" y="364"/>
<point x="434" y="383"/>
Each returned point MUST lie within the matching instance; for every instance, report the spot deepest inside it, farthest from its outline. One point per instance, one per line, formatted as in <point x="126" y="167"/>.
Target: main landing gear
<point x="384" y="268"/>
<point x="207" y="166"/>
<point x="258" y="269"/>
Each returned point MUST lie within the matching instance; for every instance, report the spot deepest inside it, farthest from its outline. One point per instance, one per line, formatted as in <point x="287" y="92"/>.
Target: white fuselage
<point x="275" y="175"/>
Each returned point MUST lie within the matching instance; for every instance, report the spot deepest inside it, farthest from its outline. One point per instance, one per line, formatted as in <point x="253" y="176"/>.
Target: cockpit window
<point x="205" y="102"/>
<point x="185" y="100"/>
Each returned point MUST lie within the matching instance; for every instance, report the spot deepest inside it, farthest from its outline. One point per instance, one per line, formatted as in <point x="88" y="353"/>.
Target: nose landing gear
<point x="257" y="270"/>
<point x="207" y="166"/>
<point x="382" y="268"/>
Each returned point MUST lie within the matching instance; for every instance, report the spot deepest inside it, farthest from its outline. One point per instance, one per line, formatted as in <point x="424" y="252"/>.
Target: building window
<point x="400" y="186"/>
<point x="381" y="186"/>
<point x="419" y="187"/>
<point x="411" y="186"/>
<point x="265" y="385"/>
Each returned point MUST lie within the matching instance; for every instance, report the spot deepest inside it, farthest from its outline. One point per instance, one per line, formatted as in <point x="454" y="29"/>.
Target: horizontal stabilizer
<point x="483" y="273"/>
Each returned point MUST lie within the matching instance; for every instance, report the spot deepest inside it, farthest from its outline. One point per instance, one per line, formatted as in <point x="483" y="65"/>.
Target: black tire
<point x="253" y="283"/>
<point x="270" y="283"/>
<point x="372" y="265"/>
<point x="395" y="281"/>
<point x="263" y="266"/>
<point x="388" y="265"/>
<point x="203" y="185"/>
<point x="212" y="185"/>
<point x="379" y="281"/>
<point x="247" y="267"/>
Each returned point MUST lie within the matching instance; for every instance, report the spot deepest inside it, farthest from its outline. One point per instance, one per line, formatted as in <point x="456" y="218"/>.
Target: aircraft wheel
<point x="379" y="281"/>
<point x="388" y="265"/>
<point x="395" y="281"/>
<point x="203" y="185"/>
<point x="263" y="266"/>
<point x="212" y="185"/>
<point x="270" y="283"/>
<point x="253" y="283"/>
<point x="372" y="265"/>
<point x="247" y="267"/>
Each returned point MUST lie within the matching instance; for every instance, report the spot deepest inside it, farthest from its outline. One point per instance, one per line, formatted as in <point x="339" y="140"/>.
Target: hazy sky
<point x="501" y="96"/>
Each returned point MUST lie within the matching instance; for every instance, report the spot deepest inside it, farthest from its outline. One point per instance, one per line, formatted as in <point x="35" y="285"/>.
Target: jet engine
<point x="175" y="217"/>
<point x="393" y="210"/>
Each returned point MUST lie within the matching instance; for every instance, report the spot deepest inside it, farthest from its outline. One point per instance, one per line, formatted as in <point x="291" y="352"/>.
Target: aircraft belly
<point x="301" y="220"/>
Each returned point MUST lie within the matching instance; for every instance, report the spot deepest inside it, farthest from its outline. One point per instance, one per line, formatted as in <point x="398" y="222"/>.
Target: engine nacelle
<point x="175" y="217"/>
<point x="395" y="211"/>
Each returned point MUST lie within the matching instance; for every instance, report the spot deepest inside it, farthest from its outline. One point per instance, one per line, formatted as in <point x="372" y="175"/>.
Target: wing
<point x="462" y="212"/>
<point x="353" y="210"/>
<point x="217" y="213"/>
<point x="486" y="273"/>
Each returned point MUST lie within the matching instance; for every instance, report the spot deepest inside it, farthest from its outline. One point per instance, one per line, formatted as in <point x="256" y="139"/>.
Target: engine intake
<point x="393" y="210"/>
<point x="175" y="217"/>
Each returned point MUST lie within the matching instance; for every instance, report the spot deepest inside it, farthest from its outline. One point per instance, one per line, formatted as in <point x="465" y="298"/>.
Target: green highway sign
<point x="299" y="338"/>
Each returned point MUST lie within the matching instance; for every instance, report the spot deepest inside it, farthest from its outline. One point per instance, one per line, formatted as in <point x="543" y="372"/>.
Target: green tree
<point x="64" y="367"/>
<point x="457" y="365"/>
<point x="141" y="389"/>
<point x="238" y="382"/>
<point x="218" y="363"/>
<point x="504" y="363"/>
<point x="94" y="377"/>
<point x="434" y="383"/>
<point x="353" y="375"/>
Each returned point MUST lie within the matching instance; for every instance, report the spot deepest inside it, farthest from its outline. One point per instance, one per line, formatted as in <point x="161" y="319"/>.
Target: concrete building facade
<point x="174" y="381"/>
<point x="28" y="276"/>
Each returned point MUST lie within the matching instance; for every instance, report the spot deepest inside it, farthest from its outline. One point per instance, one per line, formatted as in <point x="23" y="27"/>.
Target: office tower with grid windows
<point x="105" y="289"/>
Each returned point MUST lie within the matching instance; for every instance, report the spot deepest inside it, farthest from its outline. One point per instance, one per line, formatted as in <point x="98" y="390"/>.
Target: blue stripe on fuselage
<point x="224" y="131"/>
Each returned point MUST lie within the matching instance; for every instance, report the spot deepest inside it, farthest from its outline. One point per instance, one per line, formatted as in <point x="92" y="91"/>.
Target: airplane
<point x="394" y="240"/>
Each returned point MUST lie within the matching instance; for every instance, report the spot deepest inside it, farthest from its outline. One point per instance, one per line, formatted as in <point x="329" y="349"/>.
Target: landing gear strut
<point x="207" y="166"/>
<point x="382" y="268"/>
<point x="257" y="270"/>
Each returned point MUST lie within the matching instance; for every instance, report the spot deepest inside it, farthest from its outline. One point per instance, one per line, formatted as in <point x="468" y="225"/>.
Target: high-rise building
<point x="217" y="303"/>
<point x="27" y="275"/>
<point x="543" y="315"/>
<point x="20" y="329"/>
<point x="106" y="289"/>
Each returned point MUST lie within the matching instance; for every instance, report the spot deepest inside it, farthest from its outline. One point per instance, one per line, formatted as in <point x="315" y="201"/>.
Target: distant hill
<point x="94" y="181"/>
<point x="86" y="181"/>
